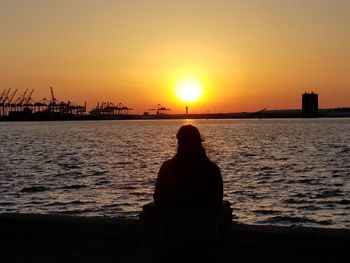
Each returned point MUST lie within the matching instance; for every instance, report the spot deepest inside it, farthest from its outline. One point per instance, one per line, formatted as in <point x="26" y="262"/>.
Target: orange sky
<point x="248" y="54"/>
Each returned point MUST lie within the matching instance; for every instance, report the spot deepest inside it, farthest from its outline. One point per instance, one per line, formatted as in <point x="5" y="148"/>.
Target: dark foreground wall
<point x="49" y="238"/>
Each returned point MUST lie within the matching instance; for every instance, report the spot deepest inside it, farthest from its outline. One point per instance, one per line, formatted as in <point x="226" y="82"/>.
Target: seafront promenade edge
<point x="58" y="238"/>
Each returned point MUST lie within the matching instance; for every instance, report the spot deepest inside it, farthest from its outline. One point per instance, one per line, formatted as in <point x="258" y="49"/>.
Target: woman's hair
<point x="190" y="144"/>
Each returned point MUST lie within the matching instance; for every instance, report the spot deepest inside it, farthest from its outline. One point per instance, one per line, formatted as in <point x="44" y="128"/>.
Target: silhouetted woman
<point x="189" y="191"/>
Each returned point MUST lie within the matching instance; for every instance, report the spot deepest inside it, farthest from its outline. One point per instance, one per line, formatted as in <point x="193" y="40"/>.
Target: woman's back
<point x="186" y="185"/>
<point x="189" y="191"/>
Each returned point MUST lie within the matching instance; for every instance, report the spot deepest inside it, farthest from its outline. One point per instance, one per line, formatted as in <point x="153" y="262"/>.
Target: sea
<point x="275" y="171"/>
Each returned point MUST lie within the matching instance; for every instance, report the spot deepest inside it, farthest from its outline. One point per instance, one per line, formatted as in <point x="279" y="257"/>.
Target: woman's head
<point x="190" y="143"/>
<point x="189" y="134"/>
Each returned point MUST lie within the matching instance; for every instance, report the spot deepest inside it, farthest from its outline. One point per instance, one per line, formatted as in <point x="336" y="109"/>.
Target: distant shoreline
<point x="274" y="114"/>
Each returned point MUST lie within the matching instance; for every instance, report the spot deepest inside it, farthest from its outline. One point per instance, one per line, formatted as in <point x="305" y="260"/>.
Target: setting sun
<point x="188" y="89"/>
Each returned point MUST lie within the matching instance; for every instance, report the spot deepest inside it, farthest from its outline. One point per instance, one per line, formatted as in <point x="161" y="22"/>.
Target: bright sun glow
<point x="188" y="89"/>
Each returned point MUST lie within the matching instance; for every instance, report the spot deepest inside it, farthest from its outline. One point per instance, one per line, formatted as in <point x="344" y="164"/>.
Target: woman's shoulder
<point x="213" y="165"/>
<point x="167" y="165"/>
<point x="169" y="162"/>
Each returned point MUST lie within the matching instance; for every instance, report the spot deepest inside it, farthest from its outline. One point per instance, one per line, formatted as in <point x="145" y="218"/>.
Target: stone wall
<point x="50" y="238"/>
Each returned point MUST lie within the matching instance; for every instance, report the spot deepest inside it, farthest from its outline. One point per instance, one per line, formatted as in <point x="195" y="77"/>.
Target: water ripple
<point x="283" y="172"/>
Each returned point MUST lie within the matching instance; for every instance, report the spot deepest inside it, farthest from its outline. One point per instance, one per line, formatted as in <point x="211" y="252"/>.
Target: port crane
<point x="2" y="100"/>
<point x="9" y="101"/>
<point x="111" y="109"/>
<point x="17" y="101"/>
<point x="25" y="107"/>
<point x="2" y="95"/>
<point x="5" y="96"/>
<point x="12" y="96"/>
<point x="22" y="98"/>
<point x="160" y="110"/>
<point x="28" y="99"/>
<point x="53" y="99"/>
<point x="54" y="106"/>
<point x="6" y="99"/>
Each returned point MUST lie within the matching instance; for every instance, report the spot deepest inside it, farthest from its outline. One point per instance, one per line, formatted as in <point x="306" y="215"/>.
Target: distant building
<point x="310" y="104"/>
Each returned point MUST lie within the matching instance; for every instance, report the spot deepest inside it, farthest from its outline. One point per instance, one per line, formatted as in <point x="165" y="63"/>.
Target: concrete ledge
<point x="53" y="238"/>
<point x="49" y="238"/>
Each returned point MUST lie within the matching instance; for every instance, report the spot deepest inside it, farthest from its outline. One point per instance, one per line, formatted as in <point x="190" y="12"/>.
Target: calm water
<point x="275" y="171"/>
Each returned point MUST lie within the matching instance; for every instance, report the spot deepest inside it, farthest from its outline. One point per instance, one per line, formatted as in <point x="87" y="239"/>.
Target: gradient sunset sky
<point x="248" y="55"/>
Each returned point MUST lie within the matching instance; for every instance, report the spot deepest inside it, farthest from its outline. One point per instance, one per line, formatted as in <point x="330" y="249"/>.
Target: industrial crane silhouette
<point x="53" y="99"/>
<point x="24" y="106"/>
<point x="5" y="96"/>
<point x="12" y="96"/>
<point x="2" y="95"/>
<point x="9" y="102"/>
<point x="27" y="100"/>
<point x="22" y="98"/>
<point x="111" y="109"/>
<point x="160" y="110"/>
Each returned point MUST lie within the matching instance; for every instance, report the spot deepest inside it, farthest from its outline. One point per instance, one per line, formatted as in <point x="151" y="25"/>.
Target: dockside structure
<point x="110" y="109"/>
<point x="310" y="104"/>
<point x="25" y="107"/>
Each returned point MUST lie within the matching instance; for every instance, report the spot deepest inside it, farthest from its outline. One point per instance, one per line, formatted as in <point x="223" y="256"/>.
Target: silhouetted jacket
<point x="189" y="193"/>
<point x="188" y="185"/>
